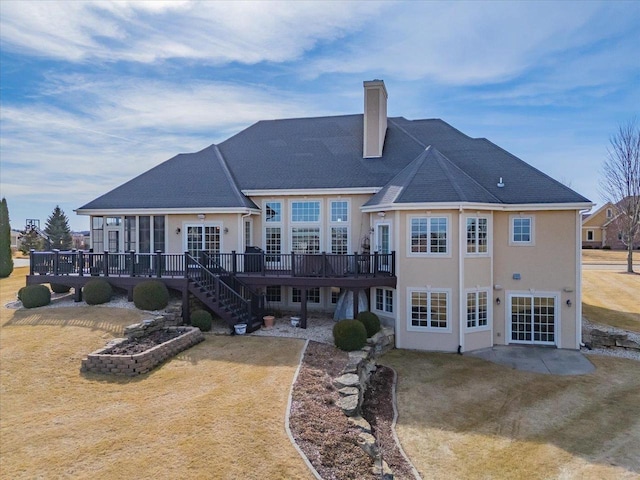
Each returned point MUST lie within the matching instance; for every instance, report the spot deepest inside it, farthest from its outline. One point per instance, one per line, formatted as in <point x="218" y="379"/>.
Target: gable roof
<point x="428" y="160"/>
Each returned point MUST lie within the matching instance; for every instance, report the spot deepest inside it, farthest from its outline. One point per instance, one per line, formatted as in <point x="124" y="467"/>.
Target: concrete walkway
<point x="537" y="359"/>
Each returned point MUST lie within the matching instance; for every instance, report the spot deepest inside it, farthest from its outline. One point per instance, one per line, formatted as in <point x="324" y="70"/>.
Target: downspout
<point x="578" y="299"/>
<point x="461" y="299"/>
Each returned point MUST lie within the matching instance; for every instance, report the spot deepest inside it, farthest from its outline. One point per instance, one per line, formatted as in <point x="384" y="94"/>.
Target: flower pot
<point x="240" y="328"/>
<point x="295" y="321"/>
<point x="269" y="320"/>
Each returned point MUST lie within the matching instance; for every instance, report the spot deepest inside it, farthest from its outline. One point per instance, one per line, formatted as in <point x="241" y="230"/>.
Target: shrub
<point x="202" y="319"/>
<point x="349" y="335"/>
<point x="370" y="321"/>
<point x="150" y="295"/>
<point x="35" y="296"/>
<point x="97" y="291"/>
<point x="59" y="288"/>
<point x="20" y="293"/>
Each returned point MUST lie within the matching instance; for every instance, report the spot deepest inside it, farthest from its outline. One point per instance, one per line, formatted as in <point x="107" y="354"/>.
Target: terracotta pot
<point x="269" y="320"/>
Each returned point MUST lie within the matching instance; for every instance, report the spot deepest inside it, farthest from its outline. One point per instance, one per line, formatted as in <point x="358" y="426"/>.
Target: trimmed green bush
<point x="20" y="293"/>
<point x="349" y="335"/>
<point x="370" y="321"/>
<point x="59" y="288"/>
<point x="97" y="291"/>
<point x="202" y="319"/>
<point x="35" y="296"/>
<point x="151" y="295"/>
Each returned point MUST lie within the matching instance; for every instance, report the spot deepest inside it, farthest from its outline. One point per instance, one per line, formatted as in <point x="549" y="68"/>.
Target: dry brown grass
<point x="607" y="256"/>
<point x="462" y="417"/>
<point x="611" y="298"/>
<point x="215" y="411"/>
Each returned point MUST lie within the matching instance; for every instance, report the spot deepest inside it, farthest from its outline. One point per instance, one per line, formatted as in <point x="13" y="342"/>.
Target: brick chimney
<point x="375" y="118"/>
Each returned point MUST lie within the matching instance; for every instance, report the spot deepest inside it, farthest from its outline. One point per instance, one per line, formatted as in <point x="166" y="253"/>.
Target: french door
<point x="533" y="319"/>
<point x="202" y="238"/>
<point x="383" y="245"/>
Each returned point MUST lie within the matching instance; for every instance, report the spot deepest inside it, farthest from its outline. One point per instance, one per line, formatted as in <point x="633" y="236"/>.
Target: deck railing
<point x="158" y="264"/>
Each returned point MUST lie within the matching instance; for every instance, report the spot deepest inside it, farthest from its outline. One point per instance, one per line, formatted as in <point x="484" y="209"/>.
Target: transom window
<point x="429" y="310"/>
<point x="384" y="300"/>
<point x="273" y="212"/>
<point x="477" y="309"/>
<point x="429" y="235"/>
<point x="339" y="211"/>
<point x="477" y="235"/>
<point x="305" y="211"/>
<point x="522" y="230"/>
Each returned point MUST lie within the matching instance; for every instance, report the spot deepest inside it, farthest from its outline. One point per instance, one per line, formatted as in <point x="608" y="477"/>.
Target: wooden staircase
<point x="222" y="292"/>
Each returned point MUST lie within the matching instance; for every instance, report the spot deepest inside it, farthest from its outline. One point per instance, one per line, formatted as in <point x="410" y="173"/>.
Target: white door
<point x="533" y="319"/>
<point x="383" y="245"/>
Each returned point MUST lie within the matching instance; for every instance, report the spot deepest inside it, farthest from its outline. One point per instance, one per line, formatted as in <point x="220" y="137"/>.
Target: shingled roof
<point x="423" y="161"/>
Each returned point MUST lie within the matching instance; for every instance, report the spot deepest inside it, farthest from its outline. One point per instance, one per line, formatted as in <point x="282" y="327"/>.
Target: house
<point x="457" y="243"/>
<point x="602" y="228"/>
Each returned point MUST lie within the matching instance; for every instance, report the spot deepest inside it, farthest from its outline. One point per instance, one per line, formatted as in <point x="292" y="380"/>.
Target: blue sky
<point x="94" y="93"/>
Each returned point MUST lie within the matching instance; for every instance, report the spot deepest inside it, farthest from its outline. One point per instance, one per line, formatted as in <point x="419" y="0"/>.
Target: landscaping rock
<point x="361" y="423"/>
<point x="367" y="442"/>
<point x="347" y="380"/>
<point x="382" y="470"/>
<point x="349" y="405"/>
<point x="346" y="391"/>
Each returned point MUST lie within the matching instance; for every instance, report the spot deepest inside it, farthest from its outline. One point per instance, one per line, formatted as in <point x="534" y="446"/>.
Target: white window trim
<point x="412" y="328"/>
<point x="489" y="237"/>
<point x="384" y="300"/>
<point x="319" y="224"/>
<point x="280" y="224"/>
<point x="309" y="302"/>
<point x="532" y="241"/>
<point x="509" y="294"/>
<point x="305" y="200"/>
<point x="185" y="236"/>
<point x="447" y="254"/>
<point x="591" y="233"/>
<point x="479" y="328"/>
<point x="264" y="211"/>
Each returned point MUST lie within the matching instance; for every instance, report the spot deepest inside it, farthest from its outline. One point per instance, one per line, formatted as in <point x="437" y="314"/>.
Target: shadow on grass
<point x="465" y="400"/>
<point x="614" y="318"/>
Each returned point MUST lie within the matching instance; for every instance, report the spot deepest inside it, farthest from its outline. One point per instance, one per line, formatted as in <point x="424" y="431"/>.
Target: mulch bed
<point x="324" y="433"/>
<point x="133" y="346"/>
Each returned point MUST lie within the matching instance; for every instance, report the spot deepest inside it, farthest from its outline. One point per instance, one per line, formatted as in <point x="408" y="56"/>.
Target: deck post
<point x="356" y="293"/>
<point x="293" y="263"/>
<point x="393" y="263"/>
<point x="323" y="267"/>
<point x="186" y="314"/>
<point x="106" y="263"/>
<point x="80" y="266"/>
<point x="356" y="263"/>
<point x="132" y="263"/>
<point x="234" y="262"/>
<point x="186" y="264"/>
<point x="32" y="262"/>
<point x="56" y="260"/>
<point x="376" y="259"/>
<point x="77" y="294"/>
<point x="158" y="263"/>
<point x="303" y="307"/>
<point x="262" y="263"/>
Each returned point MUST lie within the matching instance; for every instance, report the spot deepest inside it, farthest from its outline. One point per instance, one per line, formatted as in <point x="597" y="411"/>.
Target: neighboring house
<point x="602" y="229"/>
<point x="15" y="240"/>
<point x="487" y="248"/>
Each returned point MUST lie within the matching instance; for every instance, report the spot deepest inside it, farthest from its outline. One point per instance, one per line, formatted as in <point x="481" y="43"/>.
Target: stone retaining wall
<point x="596" y="338"/>
<point x="139" y="363"/>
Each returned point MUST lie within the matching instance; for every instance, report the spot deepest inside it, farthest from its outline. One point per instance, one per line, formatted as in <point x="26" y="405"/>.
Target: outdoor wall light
<point x="226" y="230"/>
<point x="498" y="300"/>
<point x="178" y="231"/>
<point x="569" y="303"/>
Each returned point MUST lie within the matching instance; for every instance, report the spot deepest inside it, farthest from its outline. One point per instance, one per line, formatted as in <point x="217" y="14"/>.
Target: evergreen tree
<point x="6" y="259"/>
<point x="58" y="230"/>
<point x="30" y="240"/>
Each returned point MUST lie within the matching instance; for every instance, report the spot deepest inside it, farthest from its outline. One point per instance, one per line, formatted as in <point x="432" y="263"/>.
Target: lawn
<point x="215" y="411"/>
<point x="612" y="298"/>
<point x="462" y="417"/>
<point x="608" y="256"/>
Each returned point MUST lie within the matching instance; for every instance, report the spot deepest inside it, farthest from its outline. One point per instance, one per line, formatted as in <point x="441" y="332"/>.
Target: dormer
<point x="375" y="118"/>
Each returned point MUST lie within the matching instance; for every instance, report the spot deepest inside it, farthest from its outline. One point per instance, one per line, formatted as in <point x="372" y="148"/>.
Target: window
<point x="429" y="235"/>
<point x="273" y="212"/>
<point x="339" y="211"/>
<point x="144" y="234"/>
<point x="97" y="233"/>
<point x="247" y="233"/>
<point x="477" y="309"/>
<point x="203" y="238"/>
<point x="429" y="310"/>
<point x="158" y="234"/>
<point x="384" y="300"/>
<point x="305" y="211"/>
<point x="339" y="240"/>
<point x="335" y="295"/>
<point x="521" y="231"/>
<point x="273" y="244"/>
<point x="129" y="234"/>
<point x="305" y="240"/>
<point x="313" y="295"/>
<point x="476" y="235"/>
<point x="609" y="213"/>
<point x="274" y="293"/>
<point x="589" y="235"/>
<point x="113" y="221"/>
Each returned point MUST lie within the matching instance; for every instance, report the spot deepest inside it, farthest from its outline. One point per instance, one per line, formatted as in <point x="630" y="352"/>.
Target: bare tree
<point x="620" y="183"/>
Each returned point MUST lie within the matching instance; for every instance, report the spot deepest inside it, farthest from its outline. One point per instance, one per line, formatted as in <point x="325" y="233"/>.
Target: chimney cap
<point x="375" y="83"/>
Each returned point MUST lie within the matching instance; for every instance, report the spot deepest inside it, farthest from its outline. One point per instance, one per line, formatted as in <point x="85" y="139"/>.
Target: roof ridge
<point x="232" y="181"/>
<point x="412" y="137"/>
<point x="466" y="175"/>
